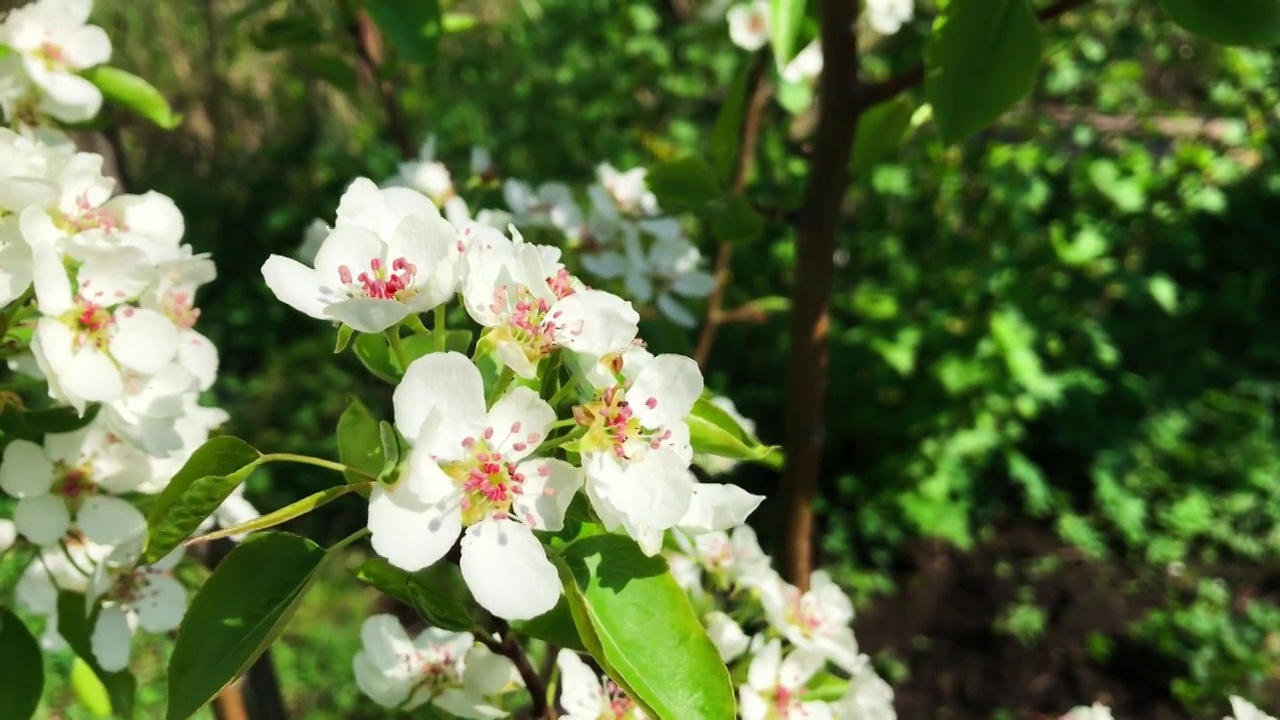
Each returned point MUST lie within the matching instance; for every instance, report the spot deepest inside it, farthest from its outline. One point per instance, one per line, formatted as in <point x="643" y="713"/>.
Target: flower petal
<point x="716" y="507"/>
<point x="594" y="322"/>
<point x="161" y="603"/>
<point x="663" y="393"/>
<point x="367" y="314"/>
<point x="581" y="694"/>
<point x="112" y="638"/>
<point x="548" y="488"/>
<point x="298" y="286"/>
<point x="109" y="520"/>
<point x="507" y="570"/>
<point x="409" y="533"/>
<point x="25" y="470"/>
<point x="447" y="381"/>
<point x="42" y="519"/>
<point x="518" y="422"/>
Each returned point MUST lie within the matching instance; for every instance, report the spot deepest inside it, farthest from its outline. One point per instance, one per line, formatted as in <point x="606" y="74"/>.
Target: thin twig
<point x="370" y="53"/>
<point x="758" y="92"/>
<point x="869" y="95"/>
<point x="509" y="648"/>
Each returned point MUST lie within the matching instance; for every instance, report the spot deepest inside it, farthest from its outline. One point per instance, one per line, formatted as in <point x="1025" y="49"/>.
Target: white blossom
<point x="775" y="686"/>
<point x="53" y="43"/>
<point x="749" y="24"/>
<point x="818" y="620"/>
<point x="587" y="697"/>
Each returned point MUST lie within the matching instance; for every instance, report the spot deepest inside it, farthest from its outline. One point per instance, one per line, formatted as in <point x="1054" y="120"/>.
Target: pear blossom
<point x="732" y="559"/>
<point x="869" y="697"/>
<point x="727" y="635"/>
<point x="749" y="24"/>
<point x="887" y="16"/>
<point x="1242" y="709"/>
<point x="775" y="686"/>
<point x="426" y="174"/>
<point x="312" y="237"/>
<point x="627" y="190"/>
<point x="390" y="255"/>
<point x="71" y="481"/>
<point x="66" y="568"/>
<point x="531" y="305"/>
<point x="817" y="620"/>
<point x="806" y="66"/>
<point x="472" y="468"/>
<point x="587" y="697"/>
<point x="53" y="44"/>
<point x="549" y="204"/>
<point x="173" y="295"/>
<point x="481" y="162"/>
<point x="446" y="669"/>
<point x="15" y="264"/>
<point x="636" y="449"/>
<point x="133" y="596"/>
<point x="1096" y="711"/>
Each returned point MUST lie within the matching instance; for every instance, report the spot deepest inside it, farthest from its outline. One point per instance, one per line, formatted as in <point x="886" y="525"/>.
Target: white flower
<point x="15" y="263"/>
<point x="1097" y="711"/>
<point x="586" y="697"/>
<point x="148" y="597"/>
<point x="887" y="16"/>
<point x="749" y="24"/>
<point x="1242" y="709"/>
<point x="532" y="306"/>
<point x="54" y="43"/>
<point x="471" y="468"/>
<point x="57" y="569"/>
<point x="636" y="450"/>
<point x="550" y="204"/>
<point x="173" y="295"/>
<point x="389" y="255"/>
<point x="818" y="619"/>
<point x="727" y="635"/>
<point x="443" y="668"/>
<point x="426" y="175"/>
<point x="806" y="66"/>
<point x="869" y="697"/>
<point x="775" y="686"/>
<point x="481" y="161"/>
<point x="734" y="560"/>
<point x="668" y="269"/>
<point x="627" y="190"/>
<point x="73" y="478"/>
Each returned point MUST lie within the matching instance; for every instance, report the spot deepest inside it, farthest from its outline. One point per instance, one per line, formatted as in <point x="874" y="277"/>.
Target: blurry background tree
<point x="1050" y="467"/>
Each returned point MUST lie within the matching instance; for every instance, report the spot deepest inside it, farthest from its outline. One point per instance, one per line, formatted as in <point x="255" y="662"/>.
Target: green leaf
<point x="785" y="19"/>
<point x="649" y="637"/>
<point x="242" y="608"/>
<point x="1237" y="22"/>
<point x="359" y="441"/>
<point x="22" y="681"/>
<point x="734" y="220"/>
<point x="880" y="132"/>
<point x="35" y="424"/>
<point x="75" y="625"/>
<point x="89" y="690"/>
<point x="412" y="26"/>
<point x="709" y="438"/>
<point x="555" y="626"/>
<point x="208" y="477"/>
<point x="1164" y="291"/>
<point x="794" y="97"/>
<point x="133" y="92"/>
<point x="687" y="182"/>
<point x="289" y="512"/>
<point x="455" y="22"/>
<point x="345" y="333"/>
<point x="375" y="355"/>
<point x="707" y="410"/>
<point x="292" y="31"/>
<point x="981" y="59"/>
<point x="438" y="593"/>
<point x="726" y="138"/>
<point x="395" y="450"/>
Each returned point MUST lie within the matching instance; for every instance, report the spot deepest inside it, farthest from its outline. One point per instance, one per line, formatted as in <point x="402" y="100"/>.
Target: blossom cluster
<point x="1241" y="709"/>
<point x="97" y="292"/>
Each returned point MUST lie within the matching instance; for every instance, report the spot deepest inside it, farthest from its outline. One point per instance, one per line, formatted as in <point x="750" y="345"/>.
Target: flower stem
<point x="504" y="380"/>
<point x="439" y="328"/>
<point x="393" y="337"/>
<point x="318" y="462"/>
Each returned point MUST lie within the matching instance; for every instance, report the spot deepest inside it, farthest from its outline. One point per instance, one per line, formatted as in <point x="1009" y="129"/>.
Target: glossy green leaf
<point x="708" y="437"/>
<point x="734" y="220"/>
<point x="359" y="441"/>
<point x="134" y="93"/>
<point x="22" y="681"/>
<point x="412" y="26"/>
<point x="785" y="19"/>
<point x="981" y="59"/>
<point x="438" y="593"/>
<point x="1233" y="22"/>
<point x="375" y="355"/>
<point x="76" y="627"/>
<point x="212" y="472"/>
<point x="649" y="637"/>
<point x="395" y="450"/>
<point x="289" y="512"/>
<point x="35" y="424"/>
<point x="707" y="410"/>
<point x="345" y="333"/>
<point x="555" y="626"/>
<point x="239" y="612"/>
<point x="89" y="690"/>
<point x="726" y="137"/>
<point x="880" y="132"/>
<point x="687" y="182"/>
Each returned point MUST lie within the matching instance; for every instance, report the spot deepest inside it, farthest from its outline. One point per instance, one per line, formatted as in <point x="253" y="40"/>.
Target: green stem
<point x="557" y="442"/>
<point x="289" y="512"/>
<point x="344" y="542"/>
<point x="561" y="394"/>
<point x="318" y="462"/>
<point x="393" y="337"/>
<point x="439" y="328"/>
<point x="504" y="381"/>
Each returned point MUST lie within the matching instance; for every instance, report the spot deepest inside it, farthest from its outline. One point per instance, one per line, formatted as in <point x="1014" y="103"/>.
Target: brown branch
<point x="807" y="359"/>
<point x="370" y="52"/>
<point x="869" y="95"/>
<point x="758" y="91"/>
<point x="509" y="648"/>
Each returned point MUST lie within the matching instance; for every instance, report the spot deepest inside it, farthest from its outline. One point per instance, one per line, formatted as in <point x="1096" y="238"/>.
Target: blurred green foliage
<point x="1069" y="320"/>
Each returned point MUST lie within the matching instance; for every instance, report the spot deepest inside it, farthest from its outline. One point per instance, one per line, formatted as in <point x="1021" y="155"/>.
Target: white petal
<point x="109" y="520"/>
<point x="161" y="603"/>
<point x="428" y="483"/>
<point x="143" y="340"/>
<point x="518" y="422"/>
<point x="663" y="392"/>
<point x="386" y="644"/>
<point x="25" y="470"/>
<point x="508" y="571"/>
<point x="654" y="491"/>
<point x="411" y="534"/>
<point x="42" y="519"/>
<point x="763" y="672"/>
<point x="694" y="284"/>
<point x="347" y="247"/>
<point x="718" y="507"/>
<point x="448" y="381"/>
<point x="548" y="488"/>
<point x="594" y="322"/>
<point x="727" y="635"/>
<point x="798" y="667"/>
<point x="379" y="688"/>
<point x="581" y="693"/>
<point x="751" y="705"/>
<point x="487" y="673"/>
<point x="675" y="312"/>
<point x="112" y="638"/>
<point x="368" y="315"/>
<point x="70" y="98"/>
<point x="199" y="356"/>
<point x="298" y="286"/>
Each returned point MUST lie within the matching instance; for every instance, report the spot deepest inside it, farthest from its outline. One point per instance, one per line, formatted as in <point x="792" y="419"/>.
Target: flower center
<point x="73" y="483"/>
<point x="619" y="705"/>
<point x="91" y="323"/>
<point x="803" y="612"/>
<point x="561" y="284"/>
<point x="85" y="217"/>
<point x="612" y="425"/>
<point x="785" y="702"/>
<point x="381" y="284"/>
<point x="435" y="668"/>
<point x="489" y="481"/>
<point x="53" y="56"/>
<point x="180" y="308"/>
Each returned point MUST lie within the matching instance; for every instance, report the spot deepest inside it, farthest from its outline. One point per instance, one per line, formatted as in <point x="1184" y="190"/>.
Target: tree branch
<point x="807" y="360"/>
<point x="509" y="648"/>
<point x="868" y="95"/>
<point x="758" y="92"/>
<point x="370" y="53"/>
